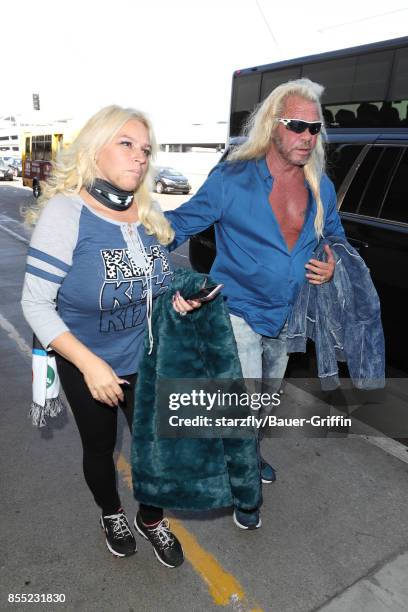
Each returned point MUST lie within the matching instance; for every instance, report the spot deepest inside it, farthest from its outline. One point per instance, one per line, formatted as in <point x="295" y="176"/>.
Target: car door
<point x="374" y="211"/>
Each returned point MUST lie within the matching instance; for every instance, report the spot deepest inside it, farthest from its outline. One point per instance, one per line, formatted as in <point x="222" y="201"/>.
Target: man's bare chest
<point x="289" y="205"/>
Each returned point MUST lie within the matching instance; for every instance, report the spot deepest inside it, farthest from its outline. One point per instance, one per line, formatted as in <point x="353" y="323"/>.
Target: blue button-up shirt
<point x="261" y="276"/>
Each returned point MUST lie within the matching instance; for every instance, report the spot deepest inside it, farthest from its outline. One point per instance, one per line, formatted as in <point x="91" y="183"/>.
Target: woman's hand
<point x="321" y="271"/>
<point x="102" y="381"/>
<point x="183" y="306"/>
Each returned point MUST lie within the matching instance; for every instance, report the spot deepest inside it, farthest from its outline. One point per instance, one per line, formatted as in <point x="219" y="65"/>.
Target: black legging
<point x="97" y="424"/>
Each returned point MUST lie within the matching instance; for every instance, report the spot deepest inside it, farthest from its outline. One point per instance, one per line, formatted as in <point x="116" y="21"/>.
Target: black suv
<point x="370" y="172"/>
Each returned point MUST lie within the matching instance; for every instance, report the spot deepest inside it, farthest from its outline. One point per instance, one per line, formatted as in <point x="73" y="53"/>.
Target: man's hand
<point x="321" y="271"/>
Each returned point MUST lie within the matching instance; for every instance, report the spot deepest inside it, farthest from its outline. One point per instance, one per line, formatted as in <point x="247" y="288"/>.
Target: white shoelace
<point x="140" y="259"/>
<point x="120" y="524"/>
<point x="163" y="532"/>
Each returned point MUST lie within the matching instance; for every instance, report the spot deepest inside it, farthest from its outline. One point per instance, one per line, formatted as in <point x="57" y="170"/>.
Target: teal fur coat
<point x="187" y="473"/>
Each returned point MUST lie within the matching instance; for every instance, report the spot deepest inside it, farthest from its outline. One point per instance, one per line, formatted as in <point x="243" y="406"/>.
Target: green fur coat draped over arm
<point x="190" y="473"/>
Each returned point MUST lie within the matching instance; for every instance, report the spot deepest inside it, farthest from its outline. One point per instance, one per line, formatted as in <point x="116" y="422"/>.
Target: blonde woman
<point x="97" y="260"/>
<point x="271" y="202"/>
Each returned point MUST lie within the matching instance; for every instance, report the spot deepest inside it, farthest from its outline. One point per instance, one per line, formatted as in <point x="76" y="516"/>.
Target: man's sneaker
<point x="267" y="472"/>
<point x="119" y="537"/>
<point x="247" y="520"/>
<point x="166" y="546"/>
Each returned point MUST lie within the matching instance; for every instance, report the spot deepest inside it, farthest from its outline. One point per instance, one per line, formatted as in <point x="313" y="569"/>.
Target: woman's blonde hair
<point x="75" y="167"/>
<point x="263" y="122"/>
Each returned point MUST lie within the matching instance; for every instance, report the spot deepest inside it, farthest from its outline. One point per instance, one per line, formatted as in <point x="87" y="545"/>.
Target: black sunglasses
<point x="299" y="126"/>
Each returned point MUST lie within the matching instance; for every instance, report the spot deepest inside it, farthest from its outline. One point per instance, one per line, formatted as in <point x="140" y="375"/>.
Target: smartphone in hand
<point x="206" y="293"/>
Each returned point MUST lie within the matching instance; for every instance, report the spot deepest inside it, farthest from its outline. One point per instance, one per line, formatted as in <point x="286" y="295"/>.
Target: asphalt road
<point x="335" y="516"/>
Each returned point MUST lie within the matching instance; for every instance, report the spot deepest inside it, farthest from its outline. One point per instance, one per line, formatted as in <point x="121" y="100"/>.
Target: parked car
<point x="369" y="171"/>
<point x="16" y="166"/>
<point x="6" y="173"/>
<point x="169" y="180"/>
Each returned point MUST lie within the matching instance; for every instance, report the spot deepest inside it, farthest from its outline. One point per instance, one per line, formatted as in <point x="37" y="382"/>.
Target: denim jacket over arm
<point x="343" y="318"/>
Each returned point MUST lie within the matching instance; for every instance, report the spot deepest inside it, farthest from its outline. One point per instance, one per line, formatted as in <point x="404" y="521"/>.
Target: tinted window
<point x="364" y="90"/>
<point x="395" y="207"/>
<point x="48" y="147"/>
<point x="246" y="96"/>
<point x="270" y="80"/>
<point x="375" y="191"/>
<point x="399" y="82"/>
<point x="371" y="76"/>
<point x="340" y="158"/>
<point x="336" y="75"/>
<point x="368" y="188"/>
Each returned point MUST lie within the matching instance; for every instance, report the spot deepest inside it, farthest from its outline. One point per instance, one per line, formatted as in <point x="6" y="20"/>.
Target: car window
<point x="395" y="207"/>
<point x="373" y="194"/>
<point x="340" y="158"/>
<point x="171" y="172"/>
<point x="368" y="187"/>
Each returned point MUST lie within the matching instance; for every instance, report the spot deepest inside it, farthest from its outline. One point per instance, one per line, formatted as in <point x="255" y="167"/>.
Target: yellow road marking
<point x="224" y="587"/>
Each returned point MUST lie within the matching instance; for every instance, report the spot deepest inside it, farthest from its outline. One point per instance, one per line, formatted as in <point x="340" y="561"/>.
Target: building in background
<point x="193" y="148"/>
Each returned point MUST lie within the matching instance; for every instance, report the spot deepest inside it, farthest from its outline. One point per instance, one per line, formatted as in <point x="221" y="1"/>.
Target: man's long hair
<point x="75" y="167"/>
<point x="262" y="123"/>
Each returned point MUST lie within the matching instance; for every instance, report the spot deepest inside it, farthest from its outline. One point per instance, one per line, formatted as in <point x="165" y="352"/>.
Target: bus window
<point x="335" y="75"/>
<point x="35" y="147"/>
<point x="399" y="81"/>
<point x="371" y="77"/>
<point x="47" y="147"/>
<point x="270" y="80"/>
<point x="246" y="96"/>
<point x="364" y="87"/>
<point x="42" y="147"/>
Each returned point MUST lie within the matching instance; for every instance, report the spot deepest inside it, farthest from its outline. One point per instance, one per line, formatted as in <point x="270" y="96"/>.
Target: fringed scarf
<point x="46" y="385"/>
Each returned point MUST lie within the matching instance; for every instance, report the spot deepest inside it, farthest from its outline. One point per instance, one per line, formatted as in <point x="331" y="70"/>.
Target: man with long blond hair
<point x="271" y="203"/>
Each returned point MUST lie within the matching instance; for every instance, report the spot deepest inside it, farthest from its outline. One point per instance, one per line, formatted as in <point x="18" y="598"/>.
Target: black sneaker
<point x="268" y="473"/>
<point x="247" y="520"/>
<point x="119" y="537"/>
<point x="166" y="546"/>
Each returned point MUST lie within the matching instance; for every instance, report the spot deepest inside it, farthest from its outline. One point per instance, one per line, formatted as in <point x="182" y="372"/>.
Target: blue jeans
<point x="261" y="357"/>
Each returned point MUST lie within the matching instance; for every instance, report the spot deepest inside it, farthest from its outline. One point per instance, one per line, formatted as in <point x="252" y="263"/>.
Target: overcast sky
<point x="173" y="59"/>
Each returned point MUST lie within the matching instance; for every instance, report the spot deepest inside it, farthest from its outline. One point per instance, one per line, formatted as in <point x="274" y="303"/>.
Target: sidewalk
<point x="335" y="523"/>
